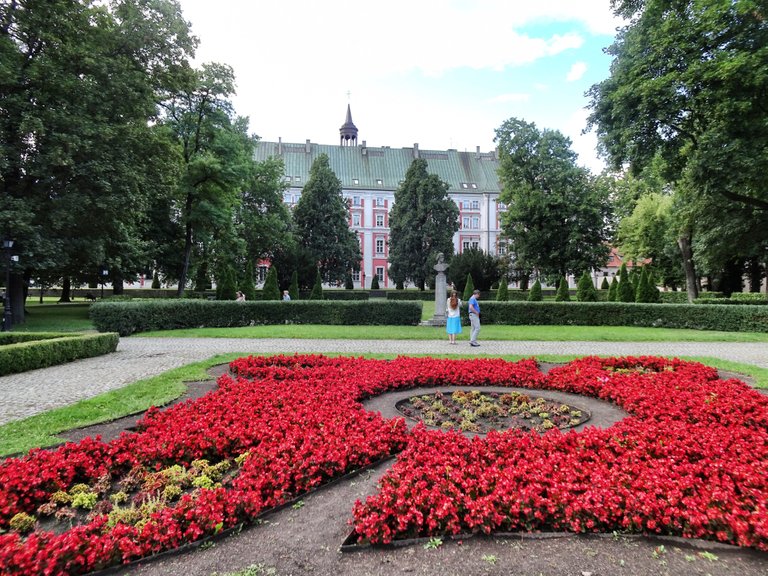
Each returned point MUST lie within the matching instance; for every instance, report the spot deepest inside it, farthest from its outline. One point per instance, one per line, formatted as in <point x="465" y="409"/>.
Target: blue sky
<point x="443" y="74"/>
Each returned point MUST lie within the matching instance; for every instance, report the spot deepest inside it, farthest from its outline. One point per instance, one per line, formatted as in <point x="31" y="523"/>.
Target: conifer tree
<point x="247" y="286"/>
<point x="226" y="288"/>
<point x="156" y="281"/>
<point x="293" y="290"/>
<point x="349" y="284"/>
<point x="375" y="282"/>
<point x="626" y="292"/>
<point x="271" y="290"/>
<point x="469" y="287"/>
<point x="317" y="289"/>
<point x="613" y="290"/>
<point x="604" y="285"/>
<point x="585" y="289"/>
<point x="502" y="295"/>
<point x="535" y="294"/>
<point x="563" y="295"/>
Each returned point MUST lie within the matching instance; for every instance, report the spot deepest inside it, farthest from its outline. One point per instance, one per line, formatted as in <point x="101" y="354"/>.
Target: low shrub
<point x="30" y="351"/>
<point x="130" y="317"/>
<point x="701" y="317"/>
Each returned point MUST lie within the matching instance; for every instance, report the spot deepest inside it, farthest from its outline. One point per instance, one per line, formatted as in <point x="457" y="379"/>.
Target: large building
<point x="369" y="177"/>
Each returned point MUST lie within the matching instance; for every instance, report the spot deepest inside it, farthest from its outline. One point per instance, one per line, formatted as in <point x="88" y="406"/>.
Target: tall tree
<point x="78" y="153"/>
<point x="217" y="163"/>
<point x="483" y="267"/>
<point x="321" y="218"/>
<point x="422" y="224"/>
<point x="688" y="83"/>
<point x="558" y="220"/>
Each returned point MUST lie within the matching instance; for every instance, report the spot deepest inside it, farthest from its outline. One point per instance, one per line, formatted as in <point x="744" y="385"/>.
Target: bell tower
<point x="348" y="130"/>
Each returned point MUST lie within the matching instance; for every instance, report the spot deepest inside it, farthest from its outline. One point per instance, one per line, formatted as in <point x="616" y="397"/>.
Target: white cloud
<point x="510" y="97"/>
<point x="576" y="72"/>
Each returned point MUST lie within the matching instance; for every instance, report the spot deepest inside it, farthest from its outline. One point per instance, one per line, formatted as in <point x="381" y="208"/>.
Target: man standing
<point x="474" y="318"/>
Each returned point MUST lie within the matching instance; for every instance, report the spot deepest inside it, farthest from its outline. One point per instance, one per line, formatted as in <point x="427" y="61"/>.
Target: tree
<point x="271" y="291"/>
<point x="349" y="283"/>
<point x="248" y="286"/>
<point x="216" y="161"/>
<point x="469" y="288"/>
<point x="535" y="294"/>
<point x="613" y="290"/>
<point x="322" y="223"/>
<point x="375" y="282"/>
<point x="688" y="85"/>
<point x="558" y="217"/>
<point x="293" y="290"/>
<point x="604" y="285"/>
<point x="226" y="285"/>
<point x="317" y="289"/>
<point x="422" y="223"/>
<point x="585" y="289"/>
<point x="155" y="281"/>
<point x="625" y="292"/>
<point x="562" y="294"/>
<point x="646" y="291"/>
<point x="503" y="293"/>
<point x="80" y="156"/>
<point x="483" y="267"/>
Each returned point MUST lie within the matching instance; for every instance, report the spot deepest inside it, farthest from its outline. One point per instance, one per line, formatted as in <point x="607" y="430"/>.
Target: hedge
<point x="701" y="317"/>
<point x="29" y="351"/>
<point x="131" y="317"/>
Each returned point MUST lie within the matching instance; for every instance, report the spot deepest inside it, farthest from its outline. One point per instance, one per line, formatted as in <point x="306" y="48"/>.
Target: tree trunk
<point x="686" y="250"/>
<point x="755" y="272"/>
<point x="66" y="290"/>
<point x="187" y="248"/>
<point x="117" y="283"/>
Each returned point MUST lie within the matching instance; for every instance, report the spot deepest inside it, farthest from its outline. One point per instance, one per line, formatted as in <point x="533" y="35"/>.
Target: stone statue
<point x="440" y="291"/>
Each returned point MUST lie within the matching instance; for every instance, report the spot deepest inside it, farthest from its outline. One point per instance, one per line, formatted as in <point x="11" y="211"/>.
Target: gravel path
<point x="29" y="393"/>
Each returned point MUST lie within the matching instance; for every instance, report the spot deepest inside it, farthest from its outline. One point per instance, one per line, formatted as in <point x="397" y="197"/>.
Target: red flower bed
<point x="691" y="460"/>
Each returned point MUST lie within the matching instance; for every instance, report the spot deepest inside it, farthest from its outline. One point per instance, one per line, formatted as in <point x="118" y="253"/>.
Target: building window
<point x="501" y="206"/>
<point x="297" y="178"/>
<point x="475" y="243"/>
<point x="474" y="186"/>
<point x="465" y="222"/>
<point x="475" y="223"/>
<point x="380" y="273"/>
<point x="261" y="274"/>
<point x="464" y="185"/>
<point x="379" y="246"/>
<point x="355" y="181"/>
<point x="465" y="204"/>
<point x="355" y="219"/>
<point x="465" y="245"/>
<point x="380" y="220"/>
<point x="355" y="200"/>
<point x="379" y="181"/>
<point x="502" y="249"/>
<point x="379" y="200"/>
<point x="475" y="205"/>
<point x="356" y="275"/>
<point x="287" y="178"/>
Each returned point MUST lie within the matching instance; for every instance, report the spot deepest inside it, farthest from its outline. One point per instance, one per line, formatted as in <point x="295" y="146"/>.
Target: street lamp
<point x="104" y="273"/>
<point x="7" y="314"/>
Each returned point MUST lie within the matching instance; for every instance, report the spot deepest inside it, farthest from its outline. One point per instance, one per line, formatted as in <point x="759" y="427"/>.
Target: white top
<point x="452" y="313"/>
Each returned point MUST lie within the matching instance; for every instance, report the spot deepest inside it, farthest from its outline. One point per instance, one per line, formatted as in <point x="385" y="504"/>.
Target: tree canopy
<point x="557" y="218"/>
<point x="422" y="224"/>
<point x="322" y="223"/>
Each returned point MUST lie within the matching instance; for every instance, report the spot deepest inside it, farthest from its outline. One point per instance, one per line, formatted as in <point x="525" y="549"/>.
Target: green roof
<point x="367" y="168"/>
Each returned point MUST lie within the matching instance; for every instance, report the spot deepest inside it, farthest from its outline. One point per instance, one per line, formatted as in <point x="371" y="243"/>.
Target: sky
<point x="443" y="74"/>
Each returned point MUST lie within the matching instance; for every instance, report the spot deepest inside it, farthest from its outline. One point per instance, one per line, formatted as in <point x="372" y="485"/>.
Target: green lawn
<point x="539" y="333"/>
<point x="53" y="317"/>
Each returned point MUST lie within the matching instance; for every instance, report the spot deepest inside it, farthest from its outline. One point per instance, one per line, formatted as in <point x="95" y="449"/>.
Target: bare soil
<point x="307" y="538"/>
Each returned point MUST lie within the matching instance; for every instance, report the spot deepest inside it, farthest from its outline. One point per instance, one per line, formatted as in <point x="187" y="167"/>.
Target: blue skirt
<point x="453" y="325"/>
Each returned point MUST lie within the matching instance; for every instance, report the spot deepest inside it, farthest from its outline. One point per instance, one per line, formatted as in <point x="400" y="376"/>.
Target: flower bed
<point x="691" y="460"/>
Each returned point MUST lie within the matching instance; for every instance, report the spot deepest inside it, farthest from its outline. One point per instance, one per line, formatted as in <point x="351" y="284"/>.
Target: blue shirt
<point x="474" y="303"/>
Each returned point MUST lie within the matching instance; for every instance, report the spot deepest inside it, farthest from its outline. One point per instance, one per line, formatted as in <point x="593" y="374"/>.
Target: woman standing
<point x="453" y="317"/>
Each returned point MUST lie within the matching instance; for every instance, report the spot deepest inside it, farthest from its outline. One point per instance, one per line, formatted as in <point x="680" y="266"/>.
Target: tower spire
<point x="348" y="130"/>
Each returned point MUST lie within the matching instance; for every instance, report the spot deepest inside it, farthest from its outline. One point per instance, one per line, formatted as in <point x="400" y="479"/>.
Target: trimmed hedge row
<point x="130" y="317"/>
<point x="701" y="317"/>
<point x="31" y="351"/>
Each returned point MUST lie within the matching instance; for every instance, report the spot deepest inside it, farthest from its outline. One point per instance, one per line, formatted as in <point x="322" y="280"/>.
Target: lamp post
<point x="7" y="314"/>
<point x="104" y="273"/>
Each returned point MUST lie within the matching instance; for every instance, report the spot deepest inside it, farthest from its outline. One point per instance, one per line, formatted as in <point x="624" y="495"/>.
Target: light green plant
<point x="433" y="543"/>
<point x="22" y="523"/>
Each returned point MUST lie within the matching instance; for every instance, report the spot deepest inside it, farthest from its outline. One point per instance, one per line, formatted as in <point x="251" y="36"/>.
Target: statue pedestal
<point x="441" y="293"/>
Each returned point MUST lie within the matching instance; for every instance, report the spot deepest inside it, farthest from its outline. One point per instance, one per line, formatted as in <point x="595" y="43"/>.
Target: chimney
<point x="415" y="149"/>
<point x="477" y="153"/>
<point x="307" y="147"/>
<point x="279" y="145"/>
<point x="364" y="150"/>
